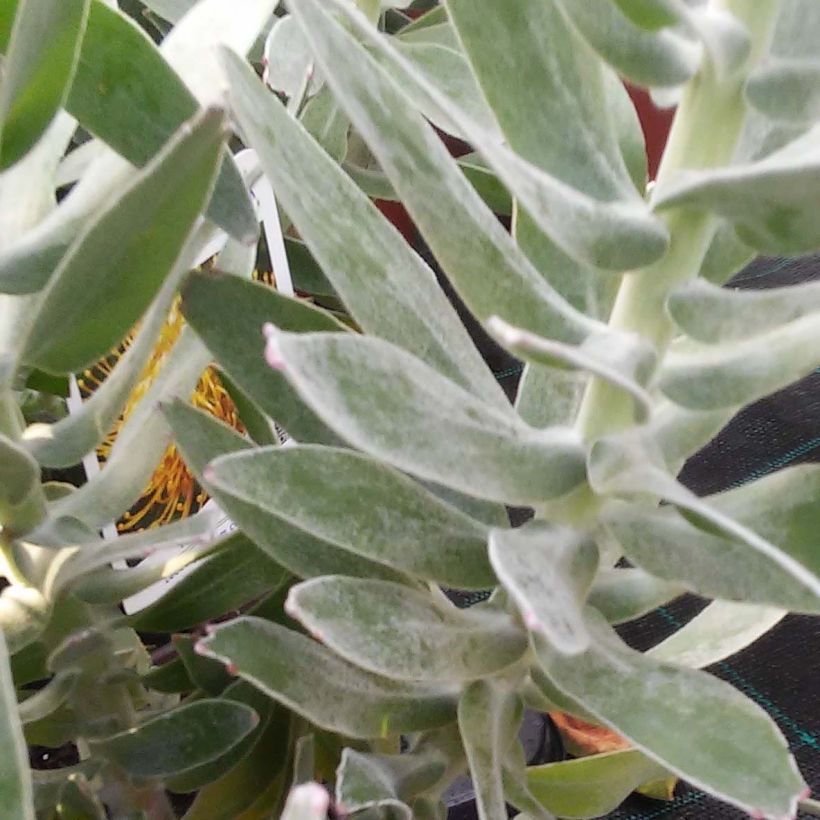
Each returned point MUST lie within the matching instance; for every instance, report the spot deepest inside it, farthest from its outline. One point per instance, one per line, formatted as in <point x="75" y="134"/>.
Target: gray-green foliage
<point x="403" y="450"/>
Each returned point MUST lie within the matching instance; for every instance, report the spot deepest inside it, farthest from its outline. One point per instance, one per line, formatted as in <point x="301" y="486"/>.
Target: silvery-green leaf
<point x="201" y="438"/>
<point x="210" y="299"/>
<point x="22" y="503"/>
<point x="180" y="739"/>
<point x="134" y="103"/>
<point x="398" y="632"/>
<point x="679" y="433"/>
<point x="719" y="631"/>
<point x="624" y="465"/>
<point x="38" y="68"/>
<point x="324" y="121"/>
<point x="622" y="361"/>
<point x="625" y="594"/>
<point x="16" y="794"/>
<point x="615" y="235"/>
<point x="591" y="786"/>
<point x="317" y="684"/>
<point x="786" y="90"/>
<point x="488" y="716"/>
<point x="391" y="405"/>
<point x="548" y="571"/>
<point x="770" y="201"/>
<point x="725" y="256"/>
<point x="666" y="711"/>
<point x="628" y="130"/>
<point x="44" y="701"/>
<point x="517" y="47"/>
<point x="288" y="61"/>
<point x="361" y="505"/>
<point x="447" y="69"/>
<point x="547" y="396"/>
<point x="114" y="269"/>
<point x="387" y="288"/>
<point x="430" y="29"/>
<point x="647" y="58"/>
<point x="369" y="781"/>
<point x="171" y="10"/>
<point x="709" y="377"/>
<point x="712" y="314"/>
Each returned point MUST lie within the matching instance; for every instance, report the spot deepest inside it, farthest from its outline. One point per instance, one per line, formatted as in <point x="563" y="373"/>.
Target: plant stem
<point x="704" y="134"/>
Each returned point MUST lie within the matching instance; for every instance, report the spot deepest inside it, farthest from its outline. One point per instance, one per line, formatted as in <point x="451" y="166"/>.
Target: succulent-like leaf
<point x="114" y="269"/>
<point x="667" y="545"/>
<point x="785" y="89"/>
<point x="624" y="594"/>
<point x="391" y="405"/>
<point x="712" y="314"/>
<point x="127" y="94"/>
<point x="619" y="360"/>
<point x="515" y="48"/>
<point x="363" y="506"/>
<point x="614" y="235"/>
<point x="209" y="300"/>
<point x="591" y="786"/>
<point x="385" y="285"/>
<point x="370" y="781"/>
<point x="720" y="630"/>
<point x="37" y="70"/>
<point x="768" y="201"/>
<point x="16" y="794"/>
<point x="622" y="466"/>
<point x="666" y="711"/>
<point x="179" y="740"/>
<point x="317" y="684"/>
<point x="705" y="377"/>
<point x="488" y="716"/>
<point x="22" y="503"/>
<point x="647" y="58"/>
<point x="547" y="570"/>
<point x="398" y="632"/>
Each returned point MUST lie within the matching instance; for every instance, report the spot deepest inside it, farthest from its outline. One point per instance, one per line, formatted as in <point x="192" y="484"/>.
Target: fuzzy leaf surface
<point x="317" y="684"/>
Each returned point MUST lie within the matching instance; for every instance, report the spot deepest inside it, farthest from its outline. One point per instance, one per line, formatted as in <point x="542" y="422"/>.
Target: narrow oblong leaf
<point x="547" y="570"/>
<point x="613" y="235"/>
<point x="37" y="70"/>
<point x="395" y="631"/>
<point x="717" y="632"/>
<point x="16" y="792"/>
<point x="317" y="684"/>
<point x="116" y="266"/>
<point x="515" y="48"/>
<point x="665" y="544"/>
<point x="666" y="711"/>
<point x="488" y="717"/>
<point x="769" y="201"/>
<point x="179" y="740"/>
<point x="624" y="594"/>
<point x="391" y="405"/>
<point x="238" y="573"/>
<point x="591" y="786"/>
<point x="786" y="89"/>
<point x="126" y="93"/>
<point x="212" y="299"/>
<point x="712" y="314"/>
<point x="620" y="360"/>
<point x="647" y="58"/>
<point x="624" y="466"/>
<point x="22" y="503"/>
<point x="385" y="285"/>
<point x="703" y="377"/>
<point x="363" y="506"/>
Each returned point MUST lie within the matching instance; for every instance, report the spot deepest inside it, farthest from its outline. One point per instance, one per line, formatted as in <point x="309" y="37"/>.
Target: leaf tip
<point x="273" y="353"/>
